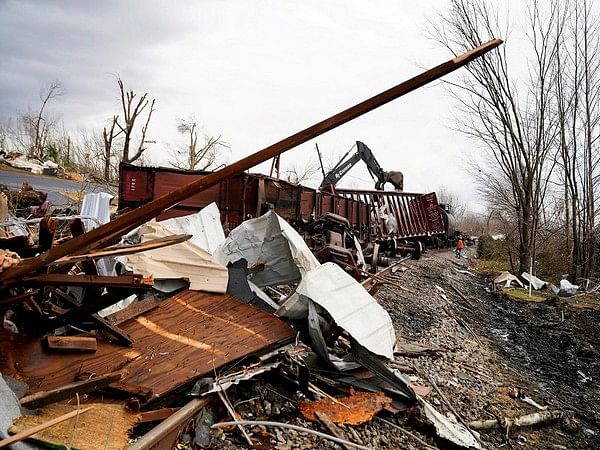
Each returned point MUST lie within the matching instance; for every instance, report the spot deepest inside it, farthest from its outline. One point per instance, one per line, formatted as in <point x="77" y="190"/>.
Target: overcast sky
<point x="251" y="71"/>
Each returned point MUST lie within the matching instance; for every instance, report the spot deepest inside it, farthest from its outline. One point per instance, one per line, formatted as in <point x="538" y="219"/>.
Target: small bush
<point x="490" y="248"/>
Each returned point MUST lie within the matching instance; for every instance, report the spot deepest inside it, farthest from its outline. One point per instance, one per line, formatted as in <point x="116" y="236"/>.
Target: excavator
<point x="363" y="152"/>
<point x="332" y="236"/>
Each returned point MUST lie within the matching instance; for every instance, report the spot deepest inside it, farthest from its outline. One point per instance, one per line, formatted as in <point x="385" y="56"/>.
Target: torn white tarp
<point x="204" y="226"/>
<point x="535" y="282"/>
<point x="184" y="261"/>
<point x="275" y="251"/>
<point x="566" y="289"/>
<point x="96" y="207"/>
<point x="349" y="304"/>
<point x="507" y="278"/>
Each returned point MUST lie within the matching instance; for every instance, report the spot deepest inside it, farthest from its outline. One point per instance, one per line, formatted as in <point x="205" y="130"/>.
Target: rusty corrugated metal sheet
<point x="185" y="338"/>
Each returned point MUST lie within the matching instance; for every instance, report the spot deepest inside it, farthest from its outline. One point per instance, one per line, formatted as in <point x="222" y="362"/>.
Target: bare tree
<point x="516" y="125"/>
<point x="132" y="110"/>
<point x="578" y="105"/>
<point x="297" y="173"/>
<point x="38" y="124"/>
<point x="193" y="157"/>
<point x="108" y="136"/>
<point x="458" y="207"/>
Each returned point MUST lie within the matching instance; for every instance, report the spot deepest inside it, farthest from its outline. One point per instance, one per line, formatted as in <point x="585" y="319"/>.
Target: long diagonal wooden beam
<point x="130" y="220"/>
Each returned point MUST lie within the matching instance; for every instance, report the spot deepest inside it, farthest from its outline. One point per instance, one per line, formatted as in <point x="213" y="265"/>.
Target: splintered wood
<point x="356" y="409"/>
<point x="184" y="338"/>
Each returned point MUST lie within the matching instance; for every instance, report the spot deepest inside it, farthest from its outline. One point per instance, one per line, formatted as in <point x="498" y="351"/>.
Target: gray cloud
<point x="251" y="71"/>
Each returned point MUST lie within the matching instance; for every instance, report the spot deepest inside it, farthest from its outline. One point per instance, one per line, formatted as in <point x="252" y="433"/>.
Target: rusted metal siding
<point x="248" y="195"/>
<point x="238" y="198"/>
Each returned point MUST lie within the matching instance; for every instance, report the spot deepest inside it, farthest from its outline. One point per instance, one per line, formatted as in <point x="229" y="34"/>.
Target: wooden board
<point x="71" y="344"/>
<point x="184" y="338"/>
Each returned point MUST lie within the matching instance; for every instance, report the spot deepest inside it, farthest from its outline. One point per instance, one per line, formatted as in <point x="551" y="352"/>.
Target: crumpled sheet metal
<point x="180" y="261"/>
<point x="350" y="306"/>
<point x="204" y="226"/>
<point x="270" y="241"/>
<point x="452" y="431"/>
<point x="355" y="409"/>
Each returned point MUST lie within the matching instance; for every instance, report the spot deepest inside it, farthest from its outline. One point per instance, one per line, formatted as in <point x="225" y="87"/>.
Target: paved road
<point x="52" y="185"/>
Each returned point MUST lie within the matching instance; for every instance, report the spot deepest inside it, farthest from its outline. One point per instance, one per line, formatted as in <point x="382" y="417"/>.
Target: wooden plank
<point x="134" y="310"/>
<point x="33" y="430"/>
<point x="19" y="297"/>
<point x="121" y="337"/>
<point x="83" y="312"/>
<point x="138" y="216"/>
<point x="183" y="339"/>
<point x="121" y="249"/>
<point x="157" y="414"/>
<point x="58" y="279"/>
<point x="158" y="437"/>
<point x="44" y="398"/>
<point x="71" y="343"/>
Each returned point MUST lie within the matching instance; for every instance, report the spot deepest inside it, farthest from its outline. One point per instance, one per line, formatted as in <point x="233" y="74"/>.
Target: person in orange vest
<point x="459" y="247"/>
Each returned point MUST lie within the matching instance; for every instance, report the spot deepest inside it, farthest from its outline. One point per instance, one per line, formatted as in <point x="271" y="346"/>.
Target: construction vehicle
<point x="363" y="152"/>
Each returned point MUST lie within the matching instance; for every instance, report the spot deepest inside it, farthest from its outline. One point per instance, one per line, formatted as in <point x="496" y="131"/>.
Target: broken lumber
<point x="120" y="336"/>
<point x="128" y="221"/>
<point x="33" y="430"/>
<point x="71" y="343"/>
<point x="157" y="414"/>
<point x="44" y="398"/>
<point x="19" y="297"/>
<point x="121" y="249"/>
<point x="169" y="426"/>
<point x="133" y="310"/>
<point x="521" y="421"/>
<point x="58" y="279"/>
<point x="82" y="312"/>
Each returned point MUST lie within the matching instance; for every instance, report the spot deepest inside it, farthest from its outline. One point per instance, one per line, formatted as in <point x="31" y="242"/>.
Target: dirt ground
<point x="501" y="350"/>
<point x="495" y="352"/>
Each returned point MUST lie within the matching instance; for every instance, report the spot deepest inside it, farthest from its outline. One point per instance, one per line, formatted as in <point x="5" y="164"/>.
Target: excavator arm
<point x="347" y="162"/>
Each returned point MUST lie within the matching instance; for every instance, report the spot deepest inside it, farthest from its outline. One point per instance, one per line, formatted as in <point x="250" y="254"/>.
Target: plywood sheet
<point x="185" y="338"/>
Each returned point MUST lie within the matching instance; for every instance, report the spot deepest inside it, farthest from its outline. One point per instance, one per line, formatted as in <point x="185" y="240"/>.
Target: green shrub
<point x="490" y="248"/>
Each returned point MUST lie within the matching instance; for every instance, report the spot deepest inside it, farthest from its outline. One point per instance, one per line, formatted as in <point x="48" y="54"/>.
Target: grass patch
<point x="523" y="295"/>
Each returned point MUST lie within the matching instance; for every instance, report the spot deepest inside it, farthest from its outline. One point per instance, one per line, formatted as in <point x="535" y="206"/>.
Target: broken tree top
<point x="130" y="220"/>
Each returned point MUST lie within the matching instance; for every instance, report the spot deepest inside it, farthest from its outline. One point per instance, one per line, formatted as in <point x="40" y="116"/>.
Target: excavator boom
<point x="347" y="162"/>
